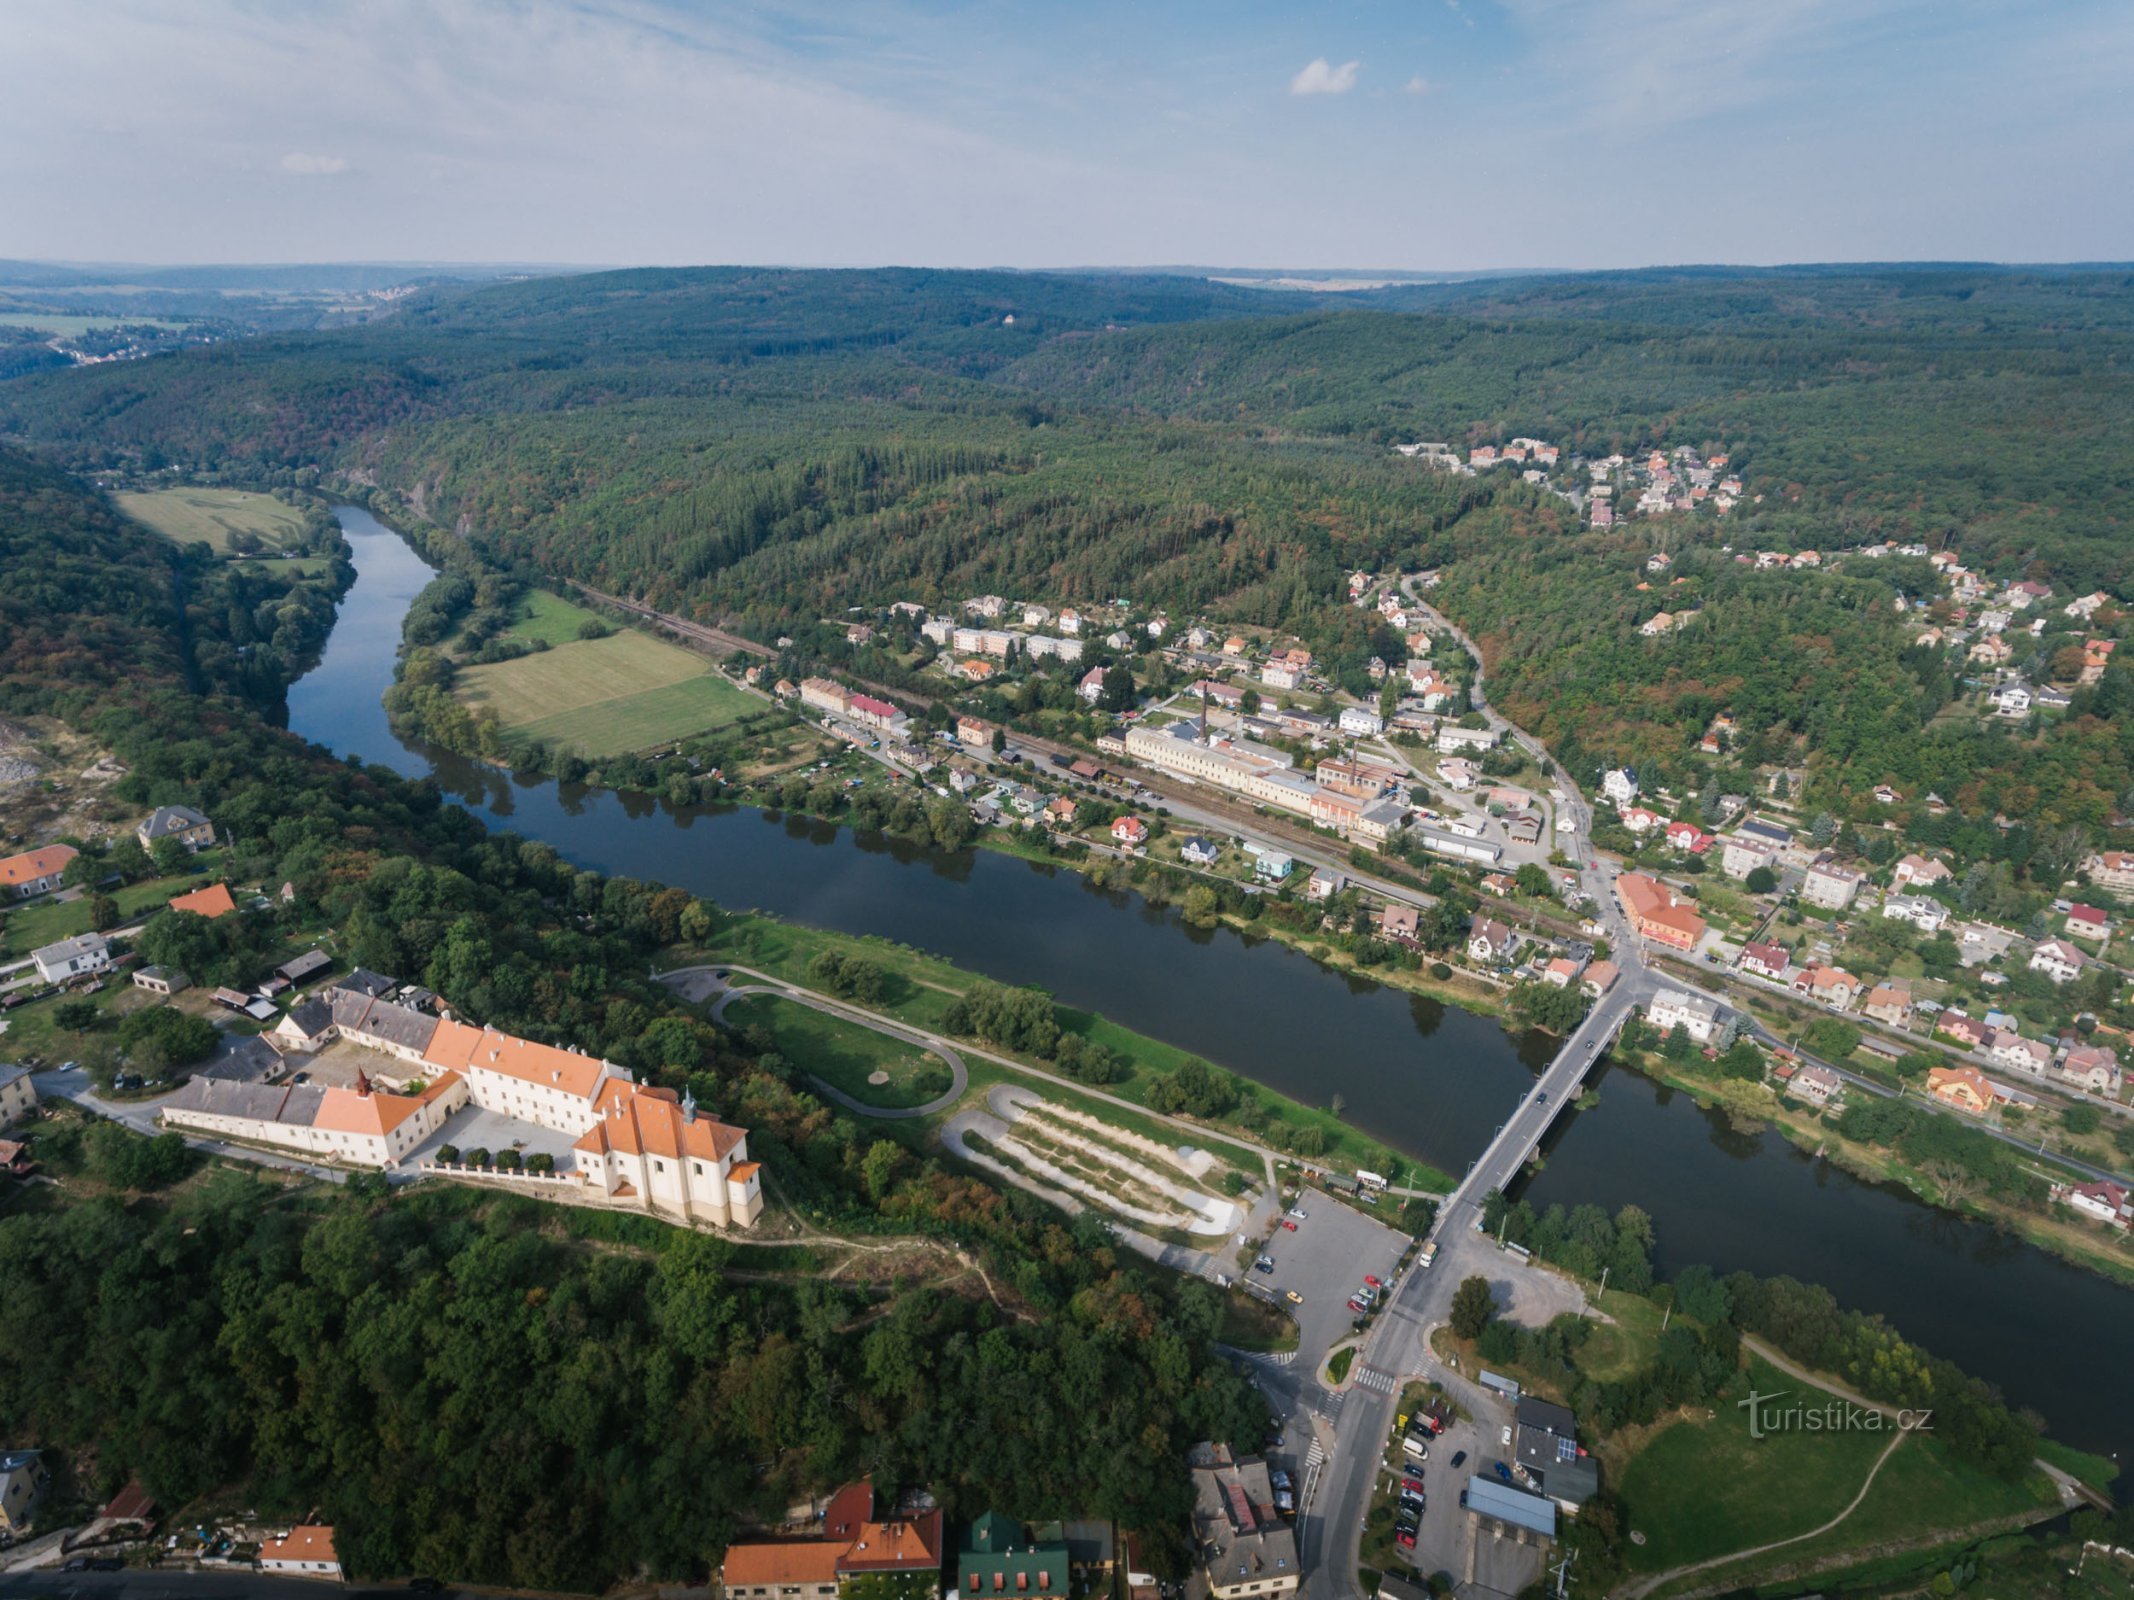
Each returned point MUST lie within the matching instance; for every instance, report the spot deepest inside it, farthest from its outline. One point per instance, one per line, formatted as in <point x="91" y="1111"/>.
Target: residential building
<point x="1399" y="923"/>
<point x="1490" y="942"/>
<point x="1687" y="836"/>
<point x="1272" y="866"/>
<point x="18" y="1095"/>
<point x="825" y="695"/>
<point x="1200" y="852"/>
<point x="2104" y="1202"/>
<point x="1765" y="960"/>
<point x="1364" y="724"/>
<point x="1451" y="739"/>
<point x="2112" y="869"/>
<point x="1741" y="854"/>
<point x="1253" y="770"/>
<point x="1673" y="1008"/>
<point x="1817" y="1085"/>
<point x="2011" y="1049"/>
<point x="2087" y="922"/>
<point x="182" y="823"/>
<point x="1280" y="675"/>
<point x="1966" y="1031"/>
<point x="72" y="958"/>
<point x="1130" y="831"/>
<point x="859" y="1537"/>
<point x="1246" y="1549"/>
<point x="1547" y="1457"/>
<point x="1091" y="686"/>
<point x="36" y="871"/>
<point x="1362" y="780"/>
<point x="1830" y="886"/>
<point x="1619" y="786"/>
<point x="1061" y="811"/>
<point x="973" y="733"/>
<point x="2058" y="960"/>
<point x="305" y="1551"/>
<point x="1600" y="978"/>
<point x="23" y="1481"/>
<point x="1927" y="915"/>
<point x="2092" y="1068"/>
<point x="212" y="902"/>
<point x="1966" y="1088"/>
<point x="1890" y="1002"/>
<point x="1324" y="884"/>
<point x="1827" y="985"/>
<point x="1001" y="1557"/>
<point x="1658" y="913"/>
<point x="1562" y="972"/>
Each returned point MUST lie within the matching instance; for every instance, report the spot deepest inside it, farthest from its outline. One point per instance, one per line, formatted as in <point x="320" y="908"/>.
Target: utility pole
<point x="1563" y="1575"/>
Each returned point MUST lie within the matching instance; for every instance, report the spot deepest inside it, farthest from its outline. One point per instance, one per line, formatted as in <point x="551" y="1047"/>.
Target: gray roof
<point x="1489" y="1498"/>
<point x="247" y="1060"/>
<point x="365" y="981"/>
<point x="167" y="820"/>
<point x="10" y="1075"/>
<point x="396" y="1025"/>
<point x="303" y="966"/>
<point x="67" y="949"/>
<point x="296" y="1106"/>
<point x="1535" y="1412"/>
<point x="314" y="1016"/>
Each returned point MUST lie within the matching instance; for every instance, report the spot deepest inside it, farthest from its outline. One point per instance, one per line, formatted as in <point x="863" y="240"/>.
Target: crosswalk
<point x="1372" y="1378"/>
<point x="1315" y="1457"/>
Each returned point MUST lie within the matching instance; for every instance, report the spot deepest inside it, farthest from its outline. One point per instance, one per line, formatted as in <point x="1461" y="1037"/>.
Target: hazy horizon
<point x="1463" y="137"/>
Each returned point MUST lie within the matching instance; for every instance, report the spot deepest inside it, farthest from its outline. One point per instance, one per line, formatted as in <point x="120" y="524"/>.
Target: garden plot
<point x="1059" y="1151"/>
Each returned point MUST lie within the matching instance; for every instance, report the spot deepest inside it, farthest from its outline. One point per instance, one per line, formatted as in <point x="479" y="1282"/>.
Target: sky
<point x="1409" y="135"/>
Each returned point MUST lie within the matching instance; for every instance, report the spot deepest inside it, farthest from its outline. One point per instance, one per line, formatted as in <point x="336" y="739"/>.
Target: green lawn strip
<point x="844" y="1054"/>
<point x="1338" y="1364"/>
<point x="785" y="951"/>
<point x="1921" y="1489"/>
<point x="2098" y="1472"/>
<point x="1750" y="1492"/>
<point x="1623" y="1346"/>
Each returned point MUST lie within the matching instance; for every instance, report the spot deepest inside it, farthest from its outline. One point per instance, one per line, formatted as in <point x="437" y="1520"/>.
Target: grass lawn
<point x="302" y="566"/>
<point x="552" y="619"/>
<point x="604" y="697"/>
<point x="844" y="1054"/>
<point x="47" y="921"/>
<point x="213" y="515"/>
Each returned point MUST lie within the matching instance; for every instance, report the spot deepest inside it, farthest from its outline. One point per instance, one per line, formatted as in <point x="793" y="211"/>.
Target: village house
<point x="305" y="1551"/>
<point x="1490" y="942"/>
<point x="2012" y="1050"/>
<point x="1452" y="739"/>
<point x="973" y="733"/>
<point x="1619" y="786"/>
<point x="36" y="871"/>
<point x="1966" y="1088"/>
<point x="212" y="902"/>
<point x="2092" y="1068"/>
<point x="68" y="959"/>
<point x="1816" y="1084"/>
<point x="18" y="1095"/>
<point x="1765" y="960"/>
<point x="1889" y="1002"/>
<point x="1958" y="1028"/>
<point x="1599" y="978"/>
<point x="1060" y="811"/>
<point x="1199" y="852"/>
<point x="859" y="1538"/>
<point x="1928" y="916"/>
<point x="1562" y="972"/>
<point x="1827" y="985"/>
<point x="23" y="1481"/>
<point x="1399" y="923"/>
<point x="1688" y="837"/>
<point x="2058" y="960"/>
<point x="1248" y="1551"/>
<point x="1131" y="832"/>
<point x="2086" y="922"/>
<point x="1324" y="884"/>
<point x="1090" y="687"/>
<point x="2111" y="869"/>
<point x="182" y="823"/>
<point x="1658" y="913"/>
<point x="1693" y="1014"/>
<point x="1641" y="821"/>
<point x="2104" y="1202"/>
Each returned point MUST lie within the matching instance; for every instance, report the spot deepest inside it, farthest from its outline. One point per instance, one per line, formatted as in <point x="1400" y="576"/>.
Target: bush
<point x="509" y="1161"/>
<point x="449" y="1154"/>
<point x="541" y="1161"/>
<point x="477" y="1157"/>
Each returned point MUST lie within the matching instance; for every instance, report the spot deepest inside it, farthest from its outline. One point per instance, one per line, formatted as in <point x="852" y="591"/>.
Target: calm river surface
<point x="1429" y="1079"/>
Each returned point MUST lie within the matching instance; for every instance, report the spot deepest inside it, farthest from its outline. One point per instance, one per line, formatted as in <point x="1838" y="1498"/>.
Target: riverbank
<point x="922" y="989"/>
<point x="1812" y="1131"/>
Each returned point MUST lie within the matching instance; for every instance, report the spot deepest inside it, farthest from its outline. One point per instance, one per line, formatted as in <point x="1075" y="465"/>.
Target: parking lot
<point x="1324" y="1261"/>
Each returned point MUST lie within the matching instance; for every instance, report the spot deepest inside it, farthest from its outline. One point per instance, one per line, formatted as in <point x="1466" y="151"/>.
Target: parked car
<point x="1357" y="1306"/>
<point x="1291" y="1226"/>
<point x="1405" y="1538"/>
<point x="1293" y="1297"/>
<point x="1414" y="1480"/>
<point x="1370" y="1282"/>
<point x="1458" y="1456"/>
<point x="1298" y="1212"/>
<point x="1505" y="1438"/>
<point x="1411" y="1497"/>
<point x="1503" y="1472"/>
<point x="1264" y="1264"/>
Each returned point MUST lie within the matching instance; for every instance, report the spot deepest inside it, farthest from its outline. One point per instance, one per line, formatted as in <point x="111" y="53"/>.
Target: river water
<point x="1429" y="1079"/>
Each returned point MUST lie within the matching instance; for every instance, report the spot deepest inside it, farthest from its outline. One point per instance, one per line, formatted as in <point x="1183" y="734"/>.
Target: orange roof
<point x="895" y="1546"/>
<point x="781" y="1561"/>
<point x="312" y="1542"/>
<point x="1648" y="900"/>
<point x="34" y="864"/>
<point x="456" y="1046"/>
<point x="639" y="1121"/>
<point x="211" y="902"/>
<point x="354" y="1111"/>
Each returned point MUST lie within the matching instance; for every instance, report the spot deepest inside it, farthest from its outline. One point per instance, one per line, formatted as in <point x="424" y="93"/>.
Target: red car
<point x="1291" y="1226"/>
<point x="1405" y="1540"/>
<point x="1357" y="1305"/>
<point x="1411" y="1482"/>
<point x="1370" y="1282"/>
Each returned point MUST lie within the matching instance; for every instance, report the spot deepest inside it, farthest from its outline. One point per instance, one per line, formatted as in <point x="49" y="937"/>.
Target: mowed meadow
<point x="215" y="516"/>
<point x="606" y="697"/>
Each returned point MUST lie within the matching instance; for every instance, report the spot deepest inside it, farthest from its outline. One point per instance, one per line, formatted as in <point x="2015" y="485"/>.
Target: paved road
<point x="152" y="1585"/>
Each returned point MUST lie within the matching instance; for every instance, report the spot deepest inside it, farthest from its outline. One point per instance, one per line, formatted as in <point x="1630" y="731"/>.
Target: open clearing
<point x="605" y="697"/>
<point x="845" y="1054"/>
<point x="213" y="515"/>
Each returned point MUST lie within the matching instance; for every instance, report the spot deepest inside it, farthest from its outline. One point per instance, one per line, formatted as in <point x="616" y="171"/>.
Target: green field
<point x="844" y="1054"/>
<point x="1752" y="1492"/>
<point x="605" y="697"/>
<point x="552" y="620"/>
<point x="214" y="515"/>
<point x="49" y="920"/>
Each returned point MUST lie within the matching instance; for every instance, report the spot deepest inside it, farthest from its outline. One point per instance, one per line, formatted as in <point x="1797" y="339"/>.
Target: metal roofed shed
<point x="1485" y="1497"/>
<point x="1500" y="1384"/>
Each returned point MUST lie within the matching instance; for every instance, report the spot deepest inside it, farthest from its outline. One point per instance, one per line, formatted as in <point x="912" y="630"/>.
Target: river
<point x="1427" y="1078"/>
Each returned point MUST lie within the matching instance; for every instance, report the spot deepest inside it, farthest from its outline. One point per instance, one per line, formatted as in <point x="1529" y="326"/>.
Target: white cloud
<point x="1320" y="78"/>
<point x="301" y="165"/>
<point x="1416" y="85"/>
